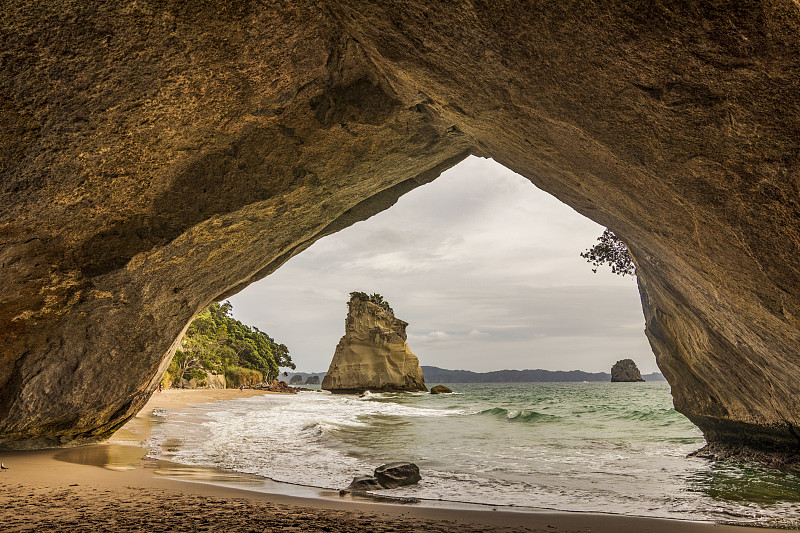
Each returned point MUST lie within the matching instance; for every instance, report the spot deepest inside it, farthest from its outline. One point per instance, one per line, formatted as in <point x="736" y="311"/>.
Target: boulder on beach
<point x="440" y="389"/>
<point x="625" y="370"/>
<point x="363" y="484"/>
<point x="373" y="354"/>
<point x="393" y="475"/>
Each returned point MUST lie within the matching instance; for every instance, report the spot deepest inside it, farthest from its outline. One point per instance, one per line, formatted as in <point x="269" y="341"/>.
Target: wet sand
<point x="114" y="487"/>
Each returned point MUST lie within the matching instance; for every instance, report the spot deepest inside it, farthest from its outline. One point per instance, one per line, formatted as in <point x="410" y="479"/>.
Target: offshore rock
<point x="157" y="156"/>
<point x="312" y="380"/>
<point x="297" y="379"/>
<point x="625" y="370"/>
<point x="440" y="389"/>
<point x="373" y="354"/>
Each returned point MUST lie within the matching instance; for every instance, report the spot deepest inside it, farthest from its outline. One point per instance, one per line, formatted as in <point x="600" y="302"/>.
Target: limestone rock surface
<point x="373" y="354"/>
<point x="157" y="156"/>
<point x="625" y="370"/>
<point x="210" y="381"/>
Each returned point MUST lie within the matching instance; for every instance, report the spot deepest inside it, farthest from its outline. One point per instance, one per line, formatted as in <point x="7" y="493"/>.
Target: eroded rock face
<point x="373" y="354"/>
<point x="156" y="156"/>
<point x="625" y="370"/>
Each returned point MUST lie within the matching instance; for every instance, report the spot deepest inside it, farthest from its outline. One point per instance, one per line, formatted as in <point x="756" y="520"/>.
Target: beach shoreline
<point x="114" y="487"/>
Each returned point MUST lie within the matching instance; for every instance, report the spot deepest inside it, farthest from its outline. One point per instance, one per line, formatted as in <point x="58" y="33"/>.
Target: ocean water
<point x="602" y="447"/>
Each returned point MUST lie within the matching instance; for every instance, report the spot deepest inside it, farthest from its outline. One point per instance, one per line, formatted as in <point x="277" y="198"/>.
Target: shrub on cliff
<point x="236" y="376"/>
<point x="611" y="251"/>
<point x="375" y="298"/>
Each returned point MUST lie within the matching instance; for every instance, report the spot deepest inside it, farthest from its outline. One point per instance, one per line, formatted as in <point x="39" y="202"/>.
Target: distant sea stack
<point x="373" y="354"/>
<point x="625" y="370"/>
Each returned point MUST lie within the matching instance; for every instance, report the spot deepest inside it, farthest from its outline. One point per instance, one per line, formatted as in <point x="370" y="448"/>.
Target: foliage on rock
<point x="217" y="342"/>
<point x="611" y="251"/>
<point x="236" y="376"/>
<point x="375" y="298"/>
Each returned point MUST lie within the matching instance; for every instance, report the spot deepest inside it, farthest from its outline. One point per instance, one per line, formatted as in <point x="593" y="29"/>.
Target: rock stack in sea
<point x="625" y="370"/>
<point x="373" y="354"/>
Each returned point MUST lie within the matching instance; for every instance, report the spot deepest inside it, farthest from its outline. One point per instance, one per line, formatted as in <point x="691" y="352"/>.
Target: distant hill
<point x="435" y="374"/>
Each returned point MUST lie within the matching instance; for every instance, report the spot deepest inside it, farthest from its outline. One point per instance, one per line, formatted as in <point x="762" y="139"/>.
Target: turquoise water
<point x="604" y="447"/>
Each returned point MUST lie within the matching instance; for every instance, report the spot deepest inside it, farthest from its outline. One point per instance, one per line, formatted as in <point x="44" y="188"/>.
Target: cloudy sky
<point x="483" y="266"/>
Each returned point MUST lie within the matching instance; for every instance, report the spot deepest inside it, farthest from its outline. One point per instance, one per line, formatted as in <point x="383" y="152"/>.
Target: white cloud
<point x="432" y="337"/>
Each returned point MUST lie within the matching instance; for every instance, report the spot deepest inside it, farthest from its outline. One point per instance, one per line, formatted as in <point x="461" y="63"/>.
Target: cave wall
<point x="156" y="156"/>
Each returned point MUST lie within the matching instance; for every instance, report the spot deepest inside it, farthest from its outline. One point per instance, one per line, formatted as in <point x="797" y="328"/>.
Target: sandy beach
<point x="115" y="487"/>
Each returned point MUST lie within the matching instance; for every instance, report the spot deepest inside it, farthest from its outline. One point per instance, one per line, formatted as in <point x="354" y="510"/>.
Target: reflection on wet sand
<point x="121" y="457"/>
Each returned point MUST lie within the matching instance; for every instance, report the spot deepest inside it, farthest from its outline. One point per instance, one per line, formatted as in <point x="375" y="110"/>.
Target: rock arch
<point x="158" y="155"/>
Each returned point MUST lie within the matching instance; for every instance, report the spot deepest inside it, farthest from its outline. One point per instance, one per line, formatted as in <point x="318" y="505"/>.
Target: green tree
<point x="358" y="295"/>
<point x="215" y="341"/>
<point x="611" y="251"/>
<point x="375" y="298"/>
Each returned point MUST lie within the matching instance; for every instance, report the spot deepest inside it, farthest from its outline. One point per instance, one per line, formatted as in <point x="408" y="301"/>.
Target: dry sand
<point x="41" y="491"/>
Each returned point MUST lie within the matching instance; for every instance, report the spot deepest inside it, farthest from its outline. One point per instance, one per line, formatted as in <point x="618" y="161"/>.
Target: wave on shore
<point x="568" y="446"/>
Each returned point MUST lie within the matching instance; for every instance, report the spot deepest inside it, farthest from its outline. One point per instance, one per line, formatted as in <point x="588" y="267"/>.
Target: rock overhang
<point x="159" y="156"/>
